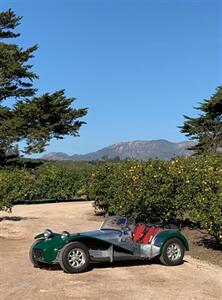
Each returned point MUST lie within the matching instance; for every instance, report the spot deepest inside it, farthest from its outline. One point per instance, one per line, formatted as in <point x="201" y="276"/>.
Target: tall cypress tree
<point x="207" y="128"/>
<point x="35" y="120"/>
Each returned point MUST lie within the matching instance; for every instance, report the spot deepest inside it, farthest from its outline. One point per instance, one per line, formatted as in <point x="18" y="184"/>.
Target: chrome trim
<point x="48" y="233"/>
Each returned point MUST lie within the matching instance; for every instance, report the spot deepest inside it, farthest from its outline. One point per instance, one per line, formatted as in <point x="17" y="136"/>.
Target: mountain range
<point x="140" y="150"/>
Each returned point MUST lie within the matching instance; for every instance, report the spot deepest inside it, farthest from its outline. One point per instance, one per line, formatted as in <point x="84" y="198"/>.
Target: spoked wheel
<point x="74" y="258"/>
<point x="173" y="252"/>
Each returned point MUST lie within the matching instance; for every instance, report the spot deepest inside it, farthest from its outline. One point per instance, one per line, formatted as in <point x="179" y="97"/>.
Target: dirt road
<point x="19" y="280"/>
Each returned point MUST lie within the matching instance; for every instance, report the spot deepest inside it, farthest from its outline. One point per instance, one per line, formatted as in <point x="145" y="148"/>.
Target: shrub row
<point x="49" y="182"/>
<point x="181" y="189"/>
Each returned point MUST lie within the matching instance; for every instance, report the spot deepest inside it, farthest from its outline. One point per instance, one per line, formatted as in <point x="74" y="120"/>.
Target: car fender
<point x="39" y="236"/>
<point x="165" y="235"/>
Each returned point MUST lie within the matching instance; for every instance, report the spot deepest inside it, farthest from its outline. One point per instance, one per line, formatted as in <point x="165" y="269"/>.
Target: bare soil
<point x="203" y="246"/>
<point x="195" y="279"/>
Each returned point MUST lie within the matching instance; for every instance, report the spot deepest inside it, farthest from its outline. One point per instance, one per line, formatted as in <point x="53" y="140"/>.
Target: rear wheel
<point x="172" y="253"/>
<point x="74" y="258"/>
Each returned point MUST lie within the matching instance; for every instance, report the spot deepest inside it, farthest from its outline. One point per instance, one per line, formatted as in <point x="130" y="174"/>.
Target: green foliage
<point x="33" y="120"/>
<point x="8" y="21"/>
<point x="47" y="182"/>
<point x="180" y="189"/>
<point x="15" y="184"/>
<point x="207" y="128"/>
<point x="100" y="184"/>
<point x="41" y="119"/>
<point x="59" y="182"/>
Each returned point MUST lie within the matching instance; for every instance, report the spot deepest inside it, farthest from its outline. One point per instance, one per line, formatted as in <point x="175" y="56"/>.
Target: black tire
<point x="172" y="253"/>
<point x="74" y="258"/>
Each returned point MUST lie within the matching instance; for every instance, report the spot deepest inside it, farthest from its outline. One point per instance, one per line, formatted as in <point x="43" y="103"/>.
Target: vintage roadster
<point x="119" y="238"/>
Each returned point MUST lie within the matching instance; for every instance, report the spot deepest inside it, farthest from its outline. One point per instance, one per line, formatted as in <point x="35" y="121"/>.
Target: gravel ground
<point x="194" y="279"/>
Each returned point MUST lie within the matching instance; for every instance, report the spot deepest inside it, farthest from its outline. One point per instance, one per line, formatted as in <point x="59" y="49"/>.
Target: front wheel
<point x="172" y="253"/>
<point x="74" y="258"/>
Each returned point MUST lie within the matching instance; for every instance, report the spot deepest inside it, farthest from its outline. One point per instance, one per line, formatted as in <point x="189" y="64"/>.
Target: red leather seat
<point x="138" y="232"/>
<point x="151" y="233"/>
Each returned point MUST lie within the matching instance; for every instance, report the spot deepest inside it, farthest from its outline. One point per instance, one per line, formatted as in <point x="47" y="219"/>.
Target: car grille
<point x="38" y="253"/>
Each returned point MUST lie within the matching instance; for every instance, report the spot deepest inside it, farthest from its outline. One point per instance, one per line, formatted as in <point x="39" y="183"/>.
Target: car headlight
<point x="48" y="233"/>
<point x="65" y="234"/>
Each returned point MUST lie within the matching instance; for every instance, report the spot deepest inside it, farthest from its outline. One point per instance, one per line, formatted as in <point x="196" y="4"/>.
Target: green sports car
<point x="119" y="238"/>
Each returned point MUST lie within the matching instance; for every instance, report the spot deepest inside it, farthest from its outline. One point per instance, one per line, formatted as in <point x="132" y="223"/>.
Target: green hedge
<point x="15" y="184"/>
<point x="180" y="189"/>
<point x="59" y="182"/>
<point x="49" y="182"/>
<point x="183" y="188"/>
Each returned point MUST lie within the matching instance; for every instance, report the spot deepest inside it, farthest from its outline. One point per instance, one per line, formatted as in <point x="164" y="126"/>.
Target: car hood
<point x="108" y="235"/>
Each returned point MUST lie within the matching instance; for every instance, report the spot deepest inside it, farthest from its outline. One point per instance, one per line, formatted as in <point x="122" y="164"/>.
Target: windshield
<point x="116" y="223"/>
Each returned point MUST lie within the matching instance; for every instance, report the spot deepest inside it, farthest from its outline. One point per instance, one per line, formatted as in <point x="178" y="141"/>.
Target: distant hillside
<point x="140" y="150"/>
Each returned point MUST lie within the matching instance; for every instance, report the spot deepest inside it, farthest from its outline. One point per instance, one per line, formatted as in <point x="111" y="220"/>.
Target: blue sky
<point x="138" y="65"/>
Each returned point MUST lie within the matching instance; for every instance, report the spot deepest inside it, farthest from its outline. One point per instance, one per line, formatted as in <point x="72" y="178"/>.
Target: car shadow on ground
<point x="117" y="264"/>
<point x="128" y="263"/>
